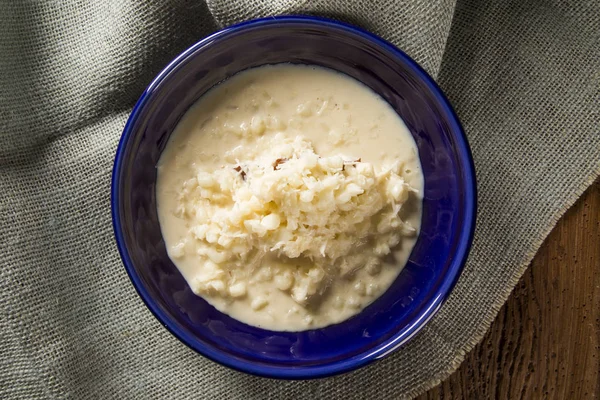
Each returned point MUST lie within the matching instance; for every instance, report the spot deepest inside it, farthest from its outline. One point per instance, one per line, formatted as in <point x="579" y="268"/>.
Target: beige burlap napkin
<point x="524" y="77"/>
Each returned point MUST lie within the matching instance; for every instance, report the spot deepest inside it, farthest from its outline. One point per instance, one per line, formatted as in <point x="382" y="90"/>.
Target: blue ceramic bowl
<point x="448" y="208"/>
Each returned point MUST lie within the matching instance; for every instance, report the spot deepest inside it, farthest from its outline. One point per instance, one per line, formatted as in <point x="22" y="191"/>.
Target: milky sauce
<point x="289" y="197"/>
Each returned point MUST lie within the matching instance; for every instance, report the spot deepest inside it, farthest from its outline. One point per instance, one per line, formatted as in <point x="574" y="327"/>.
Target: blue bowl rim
<point x="380" y="351"/>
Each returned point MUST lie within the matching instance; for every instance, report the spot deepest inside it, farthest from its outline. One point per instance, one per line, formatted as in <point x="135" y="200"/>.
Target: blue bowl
<point x="448" y="206"/>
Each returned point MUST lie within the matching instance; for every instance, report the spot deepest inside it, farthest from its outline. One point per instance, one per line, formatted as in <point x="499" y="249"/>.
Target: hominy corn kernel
<point x="257" y="126"/>
<point x="178" y="250"/>
<point x="237" y="289"/>
<point x="258" y="303"/>
<point x="284" y="280"/>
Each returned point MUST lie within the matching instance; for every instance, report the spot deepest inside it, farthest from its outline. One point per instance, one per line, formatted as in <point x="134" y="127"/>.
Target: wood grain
<point x="545" y="342"/>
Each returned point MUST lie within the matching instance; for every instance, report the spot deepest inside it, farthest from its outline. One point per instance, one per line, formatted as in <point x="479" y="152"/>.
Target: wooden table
<point x="545" y="342"/>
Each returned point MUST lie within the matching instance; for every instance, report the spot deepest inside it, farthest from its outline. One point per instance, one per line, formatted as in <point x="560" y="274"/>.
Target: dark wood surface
<point x="545" y="342"/>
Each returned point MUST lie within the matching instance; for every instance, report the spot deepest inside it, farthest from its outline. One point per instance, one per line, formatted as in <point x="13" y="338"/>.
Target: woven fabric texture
<point x="524" y="77"/>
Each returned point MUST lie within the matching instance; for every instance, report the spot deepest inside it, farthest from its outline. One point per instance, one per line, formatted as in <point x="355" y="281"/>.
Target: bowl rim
<point x="366" y="357"/>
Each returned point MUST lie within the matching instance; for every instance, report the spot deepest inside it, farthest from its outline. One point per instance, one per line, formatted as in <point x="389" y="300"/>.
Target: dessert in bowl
<point x="293" y="163"/>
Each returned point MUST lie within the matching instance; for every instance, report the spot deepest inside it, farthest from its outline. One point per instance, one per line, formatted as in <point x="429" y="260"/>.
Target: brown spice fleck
<point x="351" y="163"/>
<point x="241" y="171"/>
<point x="278" y="162"/>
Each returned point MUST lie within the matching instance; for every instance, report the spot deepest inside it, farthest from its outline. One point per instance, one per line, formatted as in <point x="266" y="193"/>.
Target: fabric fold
<point x="419" y="27"/>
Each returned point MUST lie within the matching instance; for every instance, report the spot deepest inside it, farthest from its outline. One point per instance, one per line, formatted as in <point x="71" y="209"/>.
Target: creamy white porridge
<point x="289" y="197"/>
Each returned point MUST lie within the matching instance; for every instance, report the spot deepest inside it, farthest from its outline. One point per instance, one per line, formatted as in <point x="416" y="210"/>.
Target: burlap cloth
<point x="524" y="77"/>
